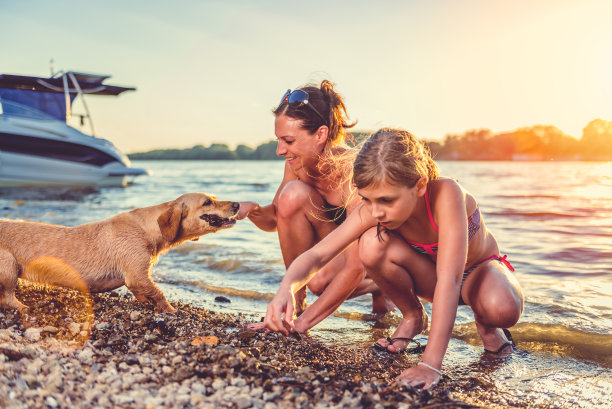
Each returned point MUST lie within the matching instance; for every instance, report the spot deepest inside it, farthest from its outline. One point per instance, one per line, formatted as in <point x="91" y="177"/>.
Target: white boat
<point x="39" y="148"/>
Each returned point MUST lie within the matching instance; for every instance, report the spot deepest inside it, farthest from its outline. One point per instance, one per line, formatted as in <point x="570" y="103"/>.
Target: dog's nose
<point x="235" y="207"/>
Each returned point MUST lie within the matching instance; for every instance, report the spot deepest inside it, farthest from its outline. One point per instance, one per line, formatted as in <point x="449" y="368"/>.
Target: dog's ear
<point x="170" y="221"/>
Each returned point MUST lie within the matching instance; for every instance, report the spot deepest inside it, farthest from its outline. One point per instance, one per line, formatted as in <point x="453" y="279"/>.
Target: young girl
<point x="419" y="235"/>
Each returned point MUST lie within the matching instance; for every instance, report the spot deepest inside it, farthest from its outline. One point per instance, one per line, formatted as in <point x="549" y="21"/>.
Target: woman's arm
<point x="262" y="217"/>
<point x="450" y="215"/>
<point x="265" y="217"/>
<point x="303" y="268"/>
<point x="347" y="277"/>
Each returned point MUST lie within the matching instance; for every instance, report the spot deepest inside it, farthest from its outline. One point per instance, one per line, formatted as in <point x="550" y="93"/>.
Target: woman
<point x="419" y="235"/>
<point x="311" y="200"/>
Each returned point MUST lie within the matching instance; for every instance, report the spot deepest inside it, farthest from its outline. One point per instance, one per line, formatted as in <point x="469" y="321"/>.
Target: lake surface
<point x="554" y="220"/>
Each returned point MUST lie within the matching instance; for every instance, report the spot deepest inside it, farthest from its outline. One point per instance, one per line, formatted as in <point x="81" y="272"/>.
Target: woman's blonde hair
<point x="393" y="156"/>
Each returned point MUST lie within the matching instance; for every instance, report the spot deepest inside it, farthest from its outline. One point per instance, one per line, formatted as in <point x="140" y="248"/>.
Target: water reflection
<point x="63" y="193"/>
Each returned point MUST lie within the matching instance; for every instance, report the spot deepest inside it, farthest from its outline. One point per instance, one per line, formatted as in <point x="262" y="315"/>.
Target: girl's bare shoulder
<point x="445" y="186"/>
<point x="448" y="189"/>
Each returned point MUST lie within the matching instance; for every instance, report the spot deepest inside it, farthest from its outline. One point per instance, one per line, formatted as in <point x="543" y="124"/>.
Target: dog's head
<point x="195" y="214"/>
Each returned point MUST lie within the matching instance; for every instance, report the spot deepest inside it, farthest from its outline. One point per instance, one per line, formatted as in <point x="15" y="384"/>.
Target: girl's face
<point x="300" y="148"/>
<point x="391" y="205"/>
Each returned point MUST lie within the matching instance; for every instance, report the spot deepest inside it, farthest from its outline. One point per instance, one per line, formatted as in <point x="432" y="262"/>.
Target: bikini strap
<point x="429" y="213"/>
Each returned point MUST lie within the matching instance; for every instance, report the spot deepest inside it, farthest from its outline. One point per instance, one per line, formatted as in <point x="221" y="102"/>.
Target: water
<point x="554" y="220"/>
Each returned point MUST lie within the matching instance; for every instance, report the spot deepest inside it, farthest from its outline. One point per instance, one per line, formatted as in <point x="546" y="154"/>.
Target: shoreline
<point x="108" y="351"/>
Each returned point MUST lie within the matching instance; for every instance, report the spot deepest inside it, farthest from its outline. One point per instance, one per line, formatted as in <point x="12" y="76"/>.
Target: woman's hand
<point x="245" y="209"/>
<point x="419" y="376"/>
<point x="279" y="314"/>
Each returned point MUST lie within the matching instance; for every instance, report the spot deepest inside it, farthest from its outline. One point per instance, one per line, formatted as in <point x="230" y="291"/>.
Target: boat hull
<point x="27" y="170"/>
<point x="38" y="151"/>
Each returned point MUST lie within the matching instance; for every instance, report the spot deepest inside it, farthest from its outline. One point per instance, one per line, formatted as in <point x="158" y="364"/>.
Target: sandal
<point x="509" y="343"/>
<point x="414" y="350"/>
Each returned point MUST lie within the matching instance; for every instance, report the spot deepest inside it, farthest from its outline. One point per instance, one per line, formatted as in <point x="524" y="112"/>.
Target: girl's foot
<point x="412" y="346"/>
<point x="405" y="331"/>
<point x="496" y="341"/>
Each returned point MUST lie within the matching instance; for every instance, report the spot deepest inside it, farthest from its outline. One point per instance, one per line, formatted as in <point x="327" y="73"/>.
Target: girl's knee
<point x="502" y="311"/>
<point x="317" y="286"/>
<point x="293" y="199"/>
<point x="321" y="280"/>
<point x="372" y="248"/>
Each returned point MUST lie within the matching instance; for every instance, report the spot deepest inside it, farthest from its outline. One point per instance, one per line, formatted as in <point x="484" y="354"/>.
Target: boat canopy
<point x="50" y="95"/>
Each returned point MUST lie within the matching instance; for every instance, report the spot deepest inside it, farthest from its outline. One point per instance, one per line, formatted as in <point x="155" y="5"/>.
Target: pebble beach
<point x="74" y="350"/>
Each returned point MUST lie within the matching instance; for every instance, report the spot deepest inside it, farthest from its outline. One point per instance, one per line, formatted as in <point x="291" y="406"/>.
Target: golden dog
<point x="104" y="255"/>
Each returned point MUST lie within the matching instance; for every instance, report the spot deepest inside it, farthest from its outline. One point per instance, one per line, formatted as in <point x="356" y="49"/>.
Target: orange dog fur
<point x="105" y="255"/>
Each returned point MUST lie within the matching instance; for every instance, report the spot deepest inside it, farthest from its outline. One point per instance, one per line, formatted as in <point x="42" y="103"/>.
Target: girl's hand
<point x="257" y="326"/>
<point x="245" y="209"/>
<point x="279" y="314"/>
<point x="419" y="376"/>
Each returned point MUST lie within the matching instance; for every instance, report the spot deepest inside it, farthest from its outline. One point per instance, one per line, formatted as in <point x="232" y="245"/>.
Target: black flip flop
<point x="414" y="350"/>
<point x="505" y="344"/>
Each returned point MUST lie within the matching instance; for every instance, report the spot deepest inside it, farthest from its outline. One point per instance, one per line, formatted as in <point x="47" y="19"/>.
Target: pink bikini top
<point x="432" y="249"/>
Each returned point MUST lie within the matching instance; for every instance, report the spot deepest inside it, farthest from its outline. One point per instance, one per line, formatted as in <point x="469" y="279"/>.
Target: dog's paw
<point x="166" y="309"/>
<point x="11" y="303"/>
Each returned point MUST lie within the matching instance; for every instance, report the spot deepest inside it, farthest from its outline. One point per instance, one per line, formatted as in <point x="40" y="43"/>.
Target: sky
<point x="212" y="71"/>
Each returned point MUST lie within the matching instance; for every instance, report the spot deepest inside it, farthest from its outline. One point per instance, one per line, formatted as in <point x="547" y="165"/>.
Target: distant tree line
<point x="216" y="151"/>
<point x="539" y="142"/>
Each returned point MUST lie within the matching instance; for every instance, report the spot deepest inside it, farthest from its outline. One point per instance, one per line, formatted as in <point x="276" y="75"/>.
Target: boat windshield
<point x="10" y="108"/>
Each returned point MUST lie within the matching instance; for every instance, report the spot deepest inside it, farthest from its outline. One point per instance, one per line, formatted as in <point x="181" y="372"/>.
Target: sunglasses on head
<point x="299" y="98"/>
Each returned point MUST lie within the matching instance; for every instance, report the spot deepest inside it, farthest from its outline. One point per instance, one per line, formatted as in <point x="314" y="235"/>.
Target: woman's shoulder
<point x="341" y="155"/>
<point x="336" y="165"/>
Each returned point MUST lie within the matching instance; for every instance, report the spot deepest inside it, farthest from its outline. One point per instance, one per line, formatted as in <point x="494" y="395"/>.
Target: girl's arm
<point x="265" y="217"/>
<point x="303" y="268"/>
<point x="450" y="216"/>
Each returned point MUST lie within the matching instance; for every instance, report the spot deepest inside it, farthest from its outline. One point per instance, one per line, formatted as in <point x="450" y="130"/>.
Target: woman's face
<point x="300" y="148"/>
<point x="391" y="205"/>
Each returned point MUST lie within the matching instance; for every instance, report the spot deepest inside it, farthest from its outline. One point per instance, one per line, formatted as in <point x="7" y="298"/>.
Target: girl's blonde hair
<point x="394" y="156"/>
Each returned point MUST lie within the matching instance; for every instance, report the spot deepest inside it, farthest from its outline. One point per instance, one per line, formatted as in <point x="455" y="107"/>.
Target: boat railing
<point x="70" y="75"/>
<point x="70" y="87"/>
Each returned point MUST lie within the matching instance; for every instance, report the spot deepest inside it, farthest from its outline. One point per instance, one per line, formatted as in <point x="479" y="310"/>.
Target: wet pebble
<point x="51" y="329"/>
<point x="220" y="298"/>
<point x="74" y="328"/>
<point x="243" y="401"/>
<point x="33" y="334"/>
<point x="51" y="402"/>
<point x="102" y="326"/>
<point x="218" y="384"/>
